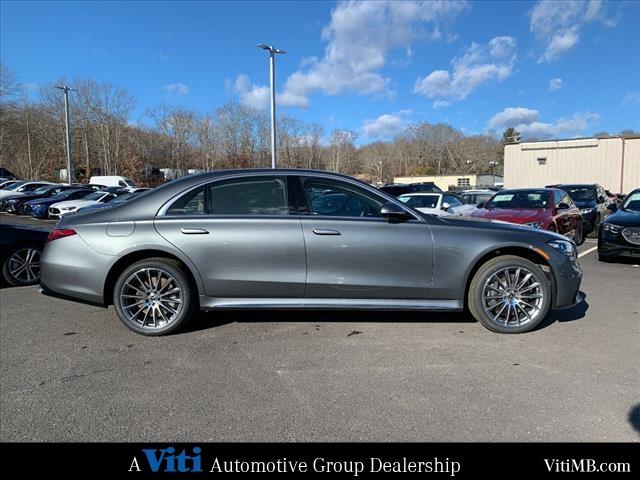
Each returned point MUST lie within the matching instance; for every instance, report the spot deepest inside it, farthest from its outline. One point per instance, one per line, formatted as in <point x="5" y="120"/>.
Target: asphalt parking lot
<point x="72" y="372"/>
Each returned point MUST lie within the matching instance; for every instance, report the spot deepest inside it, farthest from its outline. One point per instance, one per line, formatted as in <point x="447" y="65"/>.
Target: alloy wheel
<point x="24" y="265"/>
<point x="512" y="297"/>
<point x="151" y="298"/>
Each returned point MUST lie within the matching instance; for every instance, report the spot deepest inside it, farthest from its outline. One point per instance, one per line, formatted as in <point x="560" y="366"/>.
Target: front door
<point x="240" y="236"/>
<point x="352" y="252"/>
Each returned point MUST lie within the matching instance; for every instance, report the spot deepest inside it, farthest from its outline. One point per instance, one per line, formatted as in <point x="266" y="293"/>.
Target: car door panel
<point x="367" y="258"/>
<point x="242" y="257"/>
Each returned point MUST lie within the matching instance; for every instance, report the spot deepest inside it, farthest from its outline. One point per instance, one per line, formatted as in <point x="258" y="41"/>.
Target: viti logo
<point x="167" y="460"/>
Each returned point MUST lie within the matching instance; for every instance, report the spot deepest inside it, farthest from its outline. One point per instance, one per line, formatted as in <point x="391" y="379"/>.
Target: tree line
<point x="105" y="140"/>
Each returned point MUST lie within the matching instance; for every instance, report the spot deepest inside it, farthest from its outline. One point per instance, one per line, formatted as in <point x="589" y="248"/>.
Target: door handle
<point x="325" y="231"/>
<point x="194" y="231"/>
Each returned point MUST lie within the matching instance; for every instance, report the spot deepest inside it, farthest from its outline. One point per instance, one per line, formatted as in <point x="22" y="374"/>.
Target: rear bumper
<point x="71" y="269"/>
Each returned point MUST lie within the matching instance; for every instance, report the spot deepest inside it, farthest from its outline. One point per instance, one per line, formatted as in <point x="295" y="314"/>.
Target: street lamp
<point x="272" y="74"/>
<point x="66" y="91"/>
<point x="493" y="177"/>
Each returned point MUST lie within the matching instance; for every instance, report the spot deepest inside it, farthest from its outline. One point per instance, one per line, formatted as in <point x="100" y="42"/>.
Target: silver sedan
<point x="301" y="239"/>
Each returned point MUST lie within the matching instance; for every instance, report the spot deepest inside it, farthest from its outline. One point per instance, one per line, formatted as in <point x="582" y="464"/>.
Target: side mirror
<point x="480" y="205"/>
<point x="563" y="206"/>
<point x="393" y="212"/>
<point x="445" y="206"/>
<point x="613" y="207"/>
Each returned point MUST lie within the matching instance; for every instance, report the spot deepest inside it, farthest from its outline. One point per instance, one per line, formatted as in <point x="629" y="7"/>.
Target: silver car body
<point x="291" y="259"/>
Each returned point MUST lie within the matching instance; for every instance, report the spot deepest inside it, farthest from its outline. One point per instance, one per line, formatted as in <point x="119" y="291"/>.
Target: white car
<point x="60" y="209"/>
<point x="471" y="199"/>
<point x="433" y="203"/>
<point x="16" y="190"/>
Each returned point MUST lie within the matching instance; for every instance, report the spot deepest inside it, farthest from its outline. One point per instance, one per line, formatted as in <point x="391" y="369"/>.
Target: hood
<point x="4" y="195"/>
<point x="497" y="225"/>
<point x="511" y="215"/>
<point x="624" y="218"/>
<point x="75" y="203"/>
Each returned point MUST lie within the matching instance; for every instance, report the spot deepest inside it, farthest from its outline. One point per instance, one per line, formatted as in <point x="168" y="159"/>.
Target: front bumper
<point x="608" y="247"/>
<point x="568" y="277"/>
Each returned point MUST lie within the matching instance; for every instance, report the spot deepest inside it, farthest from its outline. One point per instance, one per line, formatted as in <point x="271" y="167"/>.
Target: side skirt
<point x="211" y="303"/>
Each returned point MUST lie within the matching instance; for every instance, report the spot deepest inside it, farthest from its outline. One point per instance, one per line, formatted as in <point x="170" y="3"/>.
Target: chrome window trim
<point x="162" y="211"/>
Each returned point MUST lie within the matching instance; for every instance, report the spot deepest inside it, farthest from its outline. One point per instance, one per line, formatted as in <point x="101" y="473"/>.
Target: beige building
<point x="446" y="181"/>
<point x="612" y="162"/>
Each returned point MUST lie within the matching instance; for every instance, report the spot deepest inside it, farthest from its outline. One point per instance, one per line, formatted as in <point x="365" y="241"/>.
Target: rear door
<point x="352" y="252"/>
<point x="240" y="236"/>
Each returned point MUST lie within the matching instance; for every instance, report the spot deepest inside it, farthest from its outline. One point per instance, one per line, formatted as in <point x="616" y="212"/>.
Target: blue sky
<point x="549" y="69"/>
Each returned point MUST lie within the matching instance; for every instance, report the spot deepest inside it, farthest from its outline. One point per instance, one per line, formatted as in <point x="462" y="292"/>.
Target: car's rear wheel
<point x="154" y="297"/>
<point x="509" y="294"/>
<point x="22" y="266"/>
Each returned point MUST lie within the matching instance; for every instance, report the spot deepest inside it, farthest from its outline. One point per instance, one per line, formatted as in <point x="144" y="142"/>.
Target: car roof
<point x="418" y="194"/>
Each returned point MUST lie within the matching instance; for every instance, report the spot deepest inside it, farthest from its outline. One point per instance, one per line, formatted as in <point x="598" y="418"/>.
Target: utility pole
<point x="66" y="91"/>
<point x="272" y="76"/>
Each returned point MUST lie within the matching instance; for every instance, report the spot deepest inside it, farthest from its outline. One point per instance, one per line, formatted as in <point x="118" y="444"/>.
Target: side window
<point x="558" y="198"/>
<point x="190" y="204"/>
<point x="339" y="199"/>
<point x="452" y="200"/>
<point x="121" y="183"/>
<point x="248" y="196"/>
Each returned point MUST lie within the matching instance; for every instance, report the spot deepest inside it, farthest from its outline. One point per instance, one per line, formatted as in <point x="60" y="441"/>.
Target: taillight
<point x="57" y="233"/>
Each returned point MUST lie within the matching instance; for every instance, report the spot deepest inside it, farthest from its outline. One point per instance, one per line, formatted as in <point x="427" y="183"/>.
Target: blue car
<point x="39" y="208"/>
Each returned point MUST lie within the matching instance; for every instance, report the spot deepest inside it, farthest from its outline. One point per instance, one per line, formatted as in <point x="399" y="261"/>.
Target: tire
<point x="21" y="265"/>
<point x="493" y="273"/>
<point x="141" y="309"/>
<point x="579" y="238"/>
<point x="596" y="226"/>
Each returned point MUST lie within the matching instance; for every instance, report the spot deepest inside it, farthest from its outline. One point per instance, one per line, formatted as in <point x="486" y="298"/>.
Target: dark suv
<point x="591" y="199"/>
<point x="397" y="189"/>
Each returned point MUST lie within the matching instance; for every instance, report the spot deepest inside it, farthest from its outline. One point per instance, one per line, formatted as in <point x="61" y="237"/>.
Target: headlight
<point x="66" y="209"/>
<point x="584" y="211"/>
<point x="565" y="246"/>
<point x="534" y="224"/>
<point x="608" y="227"/>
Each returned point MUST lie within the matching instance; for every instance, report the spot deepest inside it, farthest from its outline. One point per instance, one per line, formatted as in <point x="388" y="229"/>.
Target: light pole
<point x="493" y="177"/>
<point x="272" y="75"/>
<point x="66" y="91"/>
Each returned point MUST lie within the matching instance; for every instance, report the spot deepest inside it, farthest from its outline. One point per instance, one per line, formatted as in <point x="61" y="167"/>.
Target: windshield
<point x="580" y="192"/>
<point x="632" y="203"/>
<point x="520" y="200"/>
<point x="129" y="182"/>
<point x="14" y="186"/>
<point x="94" y="196"/>
<point x="41" y="190"/>
<point x="420" y="201"/>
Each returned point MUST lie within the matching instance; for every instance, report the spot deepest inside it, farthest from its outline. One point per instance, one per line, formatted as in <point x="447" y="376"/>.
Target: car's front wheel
<point x="154" y="297"/>
<point x="509" y="294"/>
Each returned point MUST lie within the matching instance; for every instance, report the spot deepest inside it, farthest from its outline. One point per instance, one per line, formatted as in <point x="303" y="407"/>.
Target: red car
<point x="545" y="208"/>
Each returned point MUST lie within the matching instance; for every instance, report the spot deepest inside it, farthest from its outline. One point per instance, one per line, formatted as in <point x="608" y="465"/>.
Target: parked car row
<point x="573" y="210"/>
<point x="49" y="200"/>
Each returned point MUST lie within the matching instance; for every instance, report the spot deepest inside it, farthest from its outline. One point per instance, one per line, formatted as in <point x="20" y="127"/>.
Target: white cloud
<point x="527" y="122"/>
<point x="258" y="96"/>
<point x="179" y="89"/>
<point x="631" y="99"/>
<point x="557" y="24"/>
<point x="478" y="65"/>
<point x="555" y="84"/>
<point x="360" y="38"/>
<point x="386" y="126"/>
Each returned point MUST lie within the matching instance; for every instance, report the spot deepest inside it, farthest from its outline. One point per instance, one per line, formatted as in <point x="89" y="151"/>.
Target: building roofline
<point x="576" y="138"/>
